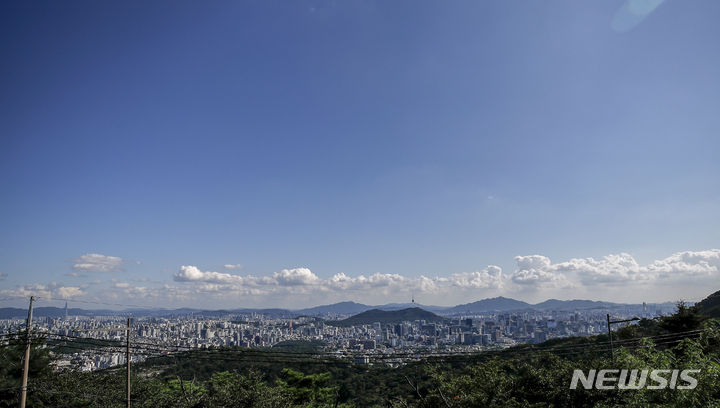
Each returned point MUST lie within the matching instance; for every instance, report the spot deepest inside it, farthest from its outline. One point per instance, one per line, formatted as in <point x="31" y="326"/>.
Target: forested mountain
<point x="384" y="317"/>
<point x="711" y="305"/>
<point x="488" y="305"/>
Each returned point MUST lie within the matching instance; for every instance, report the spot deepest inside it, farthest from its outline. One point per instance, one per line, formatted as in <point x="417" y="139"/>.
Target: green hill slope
<point x="381" y="316"/>
<point x="711" y="305"/>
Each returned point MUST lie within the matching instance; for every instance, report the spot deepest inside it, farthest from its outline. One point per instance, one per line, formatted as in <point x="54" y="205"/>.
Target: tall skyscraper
<point x="65" y="310"/>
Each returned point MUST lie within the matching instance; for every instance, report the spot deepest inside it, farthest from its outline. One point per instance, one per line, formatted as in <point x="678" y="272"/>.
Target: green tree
<point x="686" y="318"/>
<point x="543" y="379"/>
<point x="11" y="365"/>
<point x="233" y="390"/>
<point x="307" y="390"/>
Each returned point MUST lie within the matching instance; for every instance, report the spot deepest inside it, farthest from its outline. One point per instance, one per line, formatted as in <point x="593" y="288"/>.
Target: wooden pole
<point x="612" y="350"/>
<point x="26" y="363"/>
<point x="127" y="350"/>
<point x="127" y="357"/>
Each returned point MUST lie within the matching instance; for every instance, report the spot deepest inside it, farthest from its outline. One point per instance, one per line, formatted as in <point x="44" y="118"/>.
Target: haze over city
<point x="295" y="154"/>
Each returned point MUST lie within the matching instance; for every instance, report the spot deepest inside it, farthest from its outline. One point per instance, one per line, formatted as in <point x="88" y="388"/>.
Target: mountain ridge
<point x="496" y="304"/>
<point x="384" y="317"/>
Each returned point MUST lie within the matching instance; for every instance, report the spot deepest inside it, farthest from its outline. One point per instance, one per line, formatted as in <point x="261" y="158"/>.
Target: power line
<point x="161" y="350"/>
<point x="15" y="298"/>
<point x="245" y="352"/>
<point x="104" y="303"/>
<point x="35" y="389"/>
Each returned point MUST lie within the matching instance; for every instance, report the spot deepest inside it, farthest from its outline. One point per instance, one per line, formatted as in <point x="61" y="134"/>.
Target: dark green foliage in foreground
<point x="360" y="385"/>
<point x="543" y="380"/>
<point x="685" y="318"/>
<point x="11" y="365"/>
<point x="307" y="389"/>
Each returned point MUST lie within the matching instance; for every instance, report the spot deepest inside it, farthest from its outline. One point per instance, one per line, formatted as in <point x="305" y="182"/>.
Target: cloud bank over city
<point x="535" y="278"/>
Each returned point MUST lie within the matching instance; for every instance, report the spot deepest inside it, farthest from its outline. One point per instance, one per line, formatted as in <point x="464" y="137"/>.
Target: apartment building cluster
<point x="153" y="335"/>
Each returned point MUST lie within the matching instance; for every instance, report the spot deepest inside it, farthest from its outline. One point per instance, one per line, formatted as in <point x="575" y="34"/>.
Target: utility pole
<point x="26" y="363"/>
<point x="127" y="357"/>
<point x="127" y="351"/>
<point x="612" y="350"/>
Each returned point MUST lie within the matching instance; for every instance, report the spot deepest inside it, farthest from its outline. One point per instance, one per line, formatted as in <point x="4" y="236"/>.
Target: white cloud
<point x="301" y="281"/>
<point x="372" y="282"/>
<point x="490" y="278"/>
<point x="687" y="264"/>
<point x="299" y="276"/>
<point x="69" y="292"/>
<point x="193" y="274"/>
<point x="287" y="277"/>
<point x="238" y="266"/>
<point x="611" y="269"/>
<point x="617" y="269"/>
<point x="98" y="263"/>
<point x="536" y="271"/>
<point x="76" y="275"/>
<point x="51" y="290"/>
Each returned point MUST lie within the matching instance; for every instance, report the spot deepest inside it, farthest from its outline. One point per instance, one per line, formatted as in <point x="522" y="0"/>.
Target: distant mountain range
<point x="504" y="304"/>
<point x="498" y="304"/>
<point x="342" y="308"/>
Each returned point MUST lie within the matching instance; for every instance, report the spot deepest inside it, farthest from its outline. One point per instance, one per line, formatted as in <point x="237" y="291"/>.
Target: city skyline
<point x="297" y="154"/>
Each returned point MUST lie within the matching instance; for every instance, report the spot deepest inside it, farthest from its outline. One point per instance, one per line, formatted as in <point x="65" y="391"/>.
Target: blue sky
<point x="359" y="150"/>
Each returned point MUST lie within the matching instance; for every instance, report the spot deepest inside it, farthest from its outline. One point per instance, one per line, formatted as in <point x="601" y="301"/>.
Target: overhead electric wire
<point x="263" y="356"/>
<point x="139" y="344"/>
<point x="164" y="350"/>
<point x="415" y="357"/>
<point x="184" y="351"/>
<point x="119" y="398"/>
<point x="15" y="298"/>
<point x="103" y="303"/>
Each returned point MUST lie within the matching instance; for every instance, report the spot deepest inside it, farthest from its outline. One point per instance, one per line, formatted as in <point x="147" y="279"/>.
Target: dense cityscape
<point x="164" y="335"/>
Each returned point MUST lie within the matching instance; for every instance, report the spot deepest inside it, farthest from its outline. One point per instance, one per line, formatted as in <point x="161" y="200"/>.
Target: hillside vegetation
<point x="381" y="316"/>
